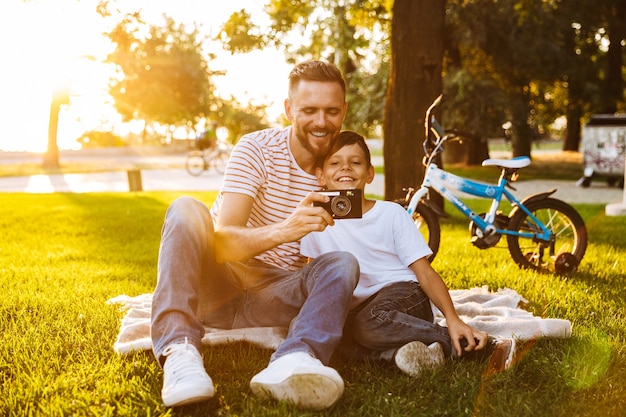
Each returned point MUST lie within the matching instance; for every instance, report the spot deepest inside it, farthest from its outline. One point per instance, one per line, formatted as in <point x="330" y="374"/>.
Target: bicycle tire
<point x="427" y="222"/>
<point x="195" y="164"/>
<point x="563" y="221"/>
<point x="219" y="161"/>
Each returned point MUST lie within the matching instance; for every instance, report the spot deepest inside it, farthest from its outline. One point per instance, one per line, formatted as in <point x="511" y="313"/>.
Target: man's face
<point x="316" y="110"/>
<point x="346" y="169"/>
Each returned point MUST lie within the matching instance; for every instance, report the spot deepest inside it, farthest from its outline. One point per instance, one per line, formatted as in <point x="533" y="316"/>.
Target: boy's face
<point x="347" y="168"/>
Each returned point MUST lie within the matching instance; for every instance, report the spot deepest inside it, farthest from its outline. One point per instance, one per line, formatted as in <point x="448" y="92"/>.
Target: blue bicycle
<point x="543" y="233"/>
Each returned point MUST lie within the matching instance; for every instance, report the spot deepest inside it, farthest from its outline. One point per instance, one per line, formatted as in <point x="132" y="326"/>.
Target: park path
<point x="171" y="177"/>
<point x="177" y="179"/>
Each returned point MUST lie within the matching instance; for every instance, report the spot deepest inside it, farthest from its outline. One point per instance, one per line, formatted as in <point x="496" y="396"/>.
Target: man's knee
<point x="189" y="211"/>
<point x="344" y="265"/>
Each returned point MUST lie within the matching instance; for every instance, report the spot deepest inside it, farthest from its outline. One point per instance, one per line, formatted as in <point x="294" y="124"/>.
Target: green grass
<point x="63" y="255"/>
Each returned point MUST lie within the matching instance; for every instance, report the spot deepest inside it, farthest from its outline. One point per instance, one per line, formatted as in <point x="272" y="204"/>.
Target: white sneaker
<point x="414" y="357"/>
<point x="185" y="381"/>
<point x="301" y="379"/>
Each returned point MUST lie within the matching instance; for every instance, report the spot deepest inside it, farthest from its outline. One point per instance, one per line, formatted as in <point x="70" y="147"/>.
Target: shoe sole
<point x="310" y="391"/>
<point x="415" y="357"/>
<point x="176" y="400"/>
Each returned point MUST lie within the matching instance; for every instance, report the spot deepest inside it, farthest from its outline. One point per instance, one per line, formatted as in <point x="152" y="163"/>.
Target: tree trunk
<point x="51" y="157"/>
<point x="417" y="43"/>
<point x="60" y="97"/>
<point x="477" y="151"/>
<point x="614" y="84"/>
<point x="522" y="133"/>
<point x="571" y="141"/>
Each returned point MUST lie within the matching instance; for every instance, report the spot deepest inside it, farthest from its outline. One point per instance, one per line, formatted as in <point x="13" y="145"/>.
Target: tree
<point x="240" y="119"/>
<point x="337" y="31"/>
<point x="548" y="57"/>
<point x="417" y="34"/>
<point x="614" y="12"/>
<point x="163" y="75"/>
<point x="343" y="32"/>
<point x="60" y="97"/>
<point x="517" y="61"/>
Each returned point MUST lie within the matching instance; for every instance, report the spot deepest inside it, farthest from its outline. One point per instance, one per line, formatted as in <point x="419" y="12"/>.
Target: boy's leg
<point x="398" y="314"/>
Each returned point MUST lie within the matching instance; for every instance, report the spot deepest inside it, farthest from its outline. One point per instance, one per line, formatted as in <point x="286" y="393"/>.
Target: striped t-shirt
<point x="263" y="167"/>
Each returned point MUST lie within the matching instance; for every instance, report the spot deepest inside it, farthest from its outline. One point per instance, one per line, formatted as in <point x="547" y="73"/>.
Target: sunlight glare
<point x="47" y="44"/>
<point x="44" y="44"/>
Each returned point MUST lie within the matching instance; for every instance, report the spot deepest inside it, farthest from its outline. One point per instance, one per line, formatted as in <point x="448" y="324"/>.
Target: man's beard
<point x="317" y="152"/>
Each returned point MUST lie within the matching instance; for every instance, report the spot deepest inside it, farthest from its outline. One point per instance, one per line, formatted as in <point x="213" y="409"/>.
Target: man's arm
<point x="234" y="241"/>
<point x="436" y="290"/>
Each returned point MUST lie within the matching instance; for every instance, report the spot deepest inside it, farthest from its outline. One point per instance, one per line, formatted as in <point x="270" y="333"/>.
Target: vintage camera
<point x="343" y="204"/>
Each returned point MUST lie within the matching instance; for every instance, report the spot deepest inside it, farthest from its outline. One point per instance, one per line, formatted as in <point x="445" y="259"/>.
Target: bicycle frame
<point x="442" y="181"/>
<point x="531" y="242"/>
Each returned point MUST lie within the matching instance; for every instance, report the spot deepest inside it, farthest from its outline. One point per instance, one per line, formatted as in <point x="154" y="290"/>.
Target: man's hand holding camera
<point x="318" y="210"/>
<point x="307" y="217"/>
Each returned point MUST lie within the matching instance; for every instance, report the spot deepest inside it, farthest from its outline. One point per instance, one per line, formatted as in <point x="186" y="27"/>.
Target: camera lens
<point x="341" y="206"/>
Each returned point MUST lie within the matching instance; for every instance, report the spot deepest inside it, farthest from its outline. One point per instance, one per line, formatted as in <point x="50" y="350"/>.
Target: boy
<point x="391" y="316"/>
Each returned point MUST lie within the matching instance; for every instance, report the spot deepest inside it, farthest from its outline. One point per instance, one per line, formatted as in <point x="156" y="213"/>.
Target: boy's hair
<point x="315" y="71"/>
<point x="347" y="138"/>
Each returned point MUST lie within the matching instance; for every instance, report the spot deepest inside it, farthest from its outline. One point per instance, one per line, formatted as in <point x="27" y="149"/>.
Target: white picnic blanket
<point x="498" y="313"/>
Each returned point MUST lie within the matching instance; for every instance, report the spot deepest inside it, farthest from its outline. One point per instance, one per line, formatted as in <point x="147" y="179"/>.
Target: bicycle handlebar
<point x="442" y="135"/>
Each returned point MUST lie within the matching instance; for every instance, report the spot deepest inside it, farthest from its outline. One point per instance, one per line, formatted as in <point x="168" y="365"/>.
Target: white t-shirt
<point x="385" y="242"/>
<point x="262" y="166"/>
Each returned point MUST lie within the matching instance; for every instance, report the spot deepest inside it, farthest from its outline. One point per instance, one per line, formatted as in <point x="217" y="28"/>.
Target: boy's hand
<point x="473" y="339"/>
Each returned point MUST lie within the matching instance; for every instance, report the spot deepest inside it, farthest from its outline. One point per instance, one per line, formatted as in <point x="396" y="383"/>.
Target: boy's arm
<point x="437" y="292"/>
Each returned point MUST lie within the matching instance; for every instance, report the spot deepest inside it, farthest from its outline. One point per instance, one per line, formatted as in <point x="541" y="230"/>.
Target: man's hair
<point x="347" y="138"/>
<point x="315" y="71"/>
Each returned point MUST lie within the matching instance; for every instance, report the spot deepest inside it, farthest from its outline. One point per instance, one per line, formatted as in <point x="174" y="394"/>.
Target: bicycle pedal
<point x="478" y="242"/>
<point x="485" y="242"/>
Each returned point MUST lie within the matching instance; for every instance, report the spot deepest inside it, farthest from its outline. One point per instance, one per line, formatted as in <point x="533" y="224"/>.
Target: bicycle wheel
<point x="569" y="236"/>
<point x="195" y="163"/>
<point x="427" y="223"/>
<point x="219" y="161"/>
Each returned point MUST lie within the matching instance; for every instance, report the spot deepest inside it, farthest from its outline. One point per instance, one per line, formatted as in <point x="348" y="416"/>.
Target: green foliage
<point x="336" y="31"/>
<point x="62" y="256"/>
<point x="240" y="119"/>
<point x="163" y="74"/>
<point x="545" y="56"/>
<point x="240" y="34"/>
<point x="99" y="139"/>
<point x="474" y="104"/>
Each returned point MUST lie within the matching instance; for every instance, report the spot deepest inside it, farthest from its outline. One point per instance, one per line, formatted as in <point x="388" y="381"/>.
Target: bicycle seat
<point x="515" y="163"/>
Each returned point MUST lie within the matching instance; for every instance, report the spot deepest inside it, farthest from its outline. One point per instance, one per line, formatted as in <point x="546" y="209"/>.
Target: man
<point x="238" y="264"/>
<point x="208" y="138"/>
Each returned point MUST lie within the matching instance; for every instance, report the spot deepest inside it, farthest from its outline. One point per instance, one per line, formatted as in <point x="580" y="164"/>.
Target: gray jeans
<point x="398" y="314"/>
<point x="194" y="291"/>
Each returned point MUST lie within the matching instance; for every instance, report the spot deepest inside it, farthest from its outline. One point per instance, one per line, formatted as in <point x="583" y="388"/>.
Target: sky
<point x="44" y="43"/>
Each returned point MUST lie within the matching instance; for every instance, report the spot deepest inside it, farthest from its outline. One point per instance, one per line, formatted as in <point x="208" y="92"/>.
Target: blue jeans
<point x="194" y="291"/>
<point x="398" y="314"/>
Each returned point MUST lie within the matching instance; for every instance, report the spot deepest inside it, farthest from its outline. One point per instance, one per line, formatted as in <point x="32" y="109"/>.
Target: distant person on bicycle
<point x="391" y="316"/>
<point x="238" y="264"/>
<point x="208" y="138"/>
